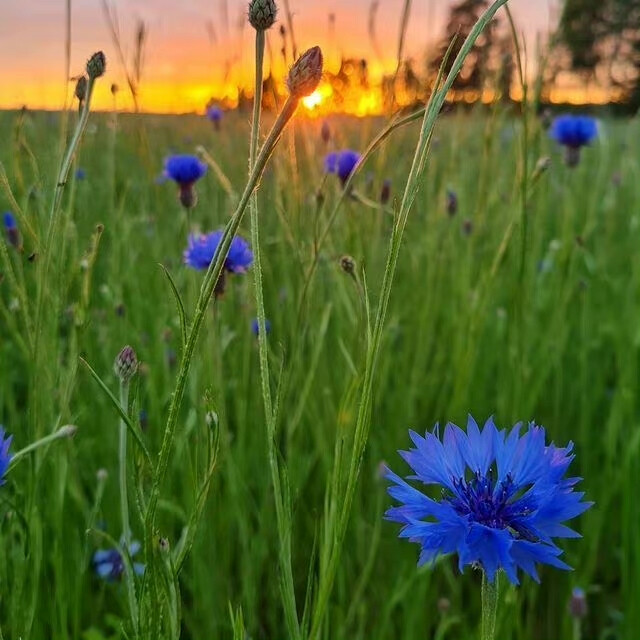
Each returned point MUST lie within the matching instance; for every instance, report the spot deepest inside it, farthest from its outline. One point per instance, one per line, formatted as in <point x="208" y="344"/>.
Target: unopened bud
<point x="348" y="265"/>
<point x="543" y="164"/>
<point x="96" y="65"/>
<point x="262" y="14"/>
<point x="385" y="192"/>
<point x="81" y="88"/>
<point x="452" y="202"/>
<point x="68" y="431"/>
<point x="126" y="364"/>
<point x="305" y="74"/>
<point x="578" y="603"/>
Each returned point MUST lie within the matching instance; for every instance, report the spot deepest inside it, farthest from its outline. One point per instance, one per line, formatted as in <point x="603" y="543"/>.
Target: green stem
<point x="122" y="461"/>
<point x="202" y="304"/>
<point x="63" y="432"/>
<point x="284" y="536"/>
<point x="489" y="607"/>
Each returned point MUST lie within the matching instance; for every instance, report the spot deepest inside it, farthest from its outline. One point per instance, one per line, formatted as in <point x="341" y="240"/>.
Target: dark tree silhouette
<point x="462" y="17"/>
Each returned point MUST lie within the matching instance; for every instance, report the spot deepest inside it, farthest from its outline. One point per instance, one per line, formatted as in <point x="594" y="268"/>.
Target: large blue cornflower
<point x="5" y="456"/>
<point x="109" y="565"/>
<point x="504" y="498"/>
<point x="202" y="249"/>
<point x="573" y="132"/>
<point x="342" y="163"/>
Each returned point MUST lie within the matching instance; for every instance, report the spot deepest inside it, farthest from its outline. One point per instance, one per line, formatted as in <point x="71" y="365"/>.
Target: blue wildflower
<point x="504" y="497"/>
<point x="202" y="249"/>
<point x="215" y="114"/>
<point x="109" y="565"/>
<point x="256" y="329"/>
<point x="11" y="227"/>
<point x="5" y="456"/>
<point x="342" y="163"/>
<point x="573" y="132"/>
<point x="185" y="170"/>
<point x="80" y="174"/>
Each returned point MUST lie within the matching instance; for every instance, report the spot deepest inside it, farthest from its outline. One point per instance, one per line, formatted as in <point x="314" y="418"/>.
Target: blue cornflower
<point x="573" y="132"/>
<point x="215" y="114"/>
<point x="185" y="170"/>
<point x="342" y="163"/>
<point x="504" y="497"/>
<point x="109" y="565"/>
<point x="202" y="249"/>
<point x="256" y="329"/>
<point x="80" y="174"/>
<point x="11" y="227"/>
<point x="5" y="456"/>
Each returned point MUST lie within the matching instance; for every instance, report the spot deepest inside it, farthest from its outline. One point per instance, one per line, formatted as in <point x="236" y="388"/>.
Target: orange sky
<point x="197" y="48"/>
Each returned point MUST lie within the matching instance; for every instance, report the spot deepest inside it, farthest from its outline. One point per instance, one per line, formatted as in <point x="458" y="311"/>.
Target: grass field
<point x="524" y="304"/>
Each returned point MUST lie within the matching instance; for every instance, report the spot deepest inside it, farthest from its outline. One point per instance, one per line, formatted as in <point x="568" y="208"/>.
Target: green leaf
<point x="179" y="304"/>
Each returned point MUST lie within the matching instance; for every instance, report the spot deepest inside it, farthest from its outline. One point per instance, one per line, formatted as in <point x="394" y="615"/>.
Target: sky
<point x="199" y="48"/>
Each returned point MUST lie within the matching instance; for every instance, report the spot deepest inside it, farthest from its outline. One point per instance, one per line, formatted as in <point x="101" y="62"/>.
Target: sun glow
<point x="312" y="101"/>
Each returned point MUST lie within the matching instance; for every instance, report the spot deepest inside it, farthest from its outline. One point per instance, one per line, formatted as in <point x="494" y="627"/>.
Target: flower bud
<point x="262" y="14"/>
<point x="126" y="364"/>
<point x="452" y="202"/>
<point x="385" y="192"/>
<point x="578" y="603"/>
<point x="81" y="88"/>
<point x="305" y="74"/>
<point x="96" y="65"/>
<point x="348" y="265"/>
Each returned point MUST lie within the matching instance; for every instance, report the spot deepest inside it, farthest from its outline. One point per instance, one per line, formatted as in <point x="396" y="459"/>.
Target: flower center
<point x="500" y="505"/>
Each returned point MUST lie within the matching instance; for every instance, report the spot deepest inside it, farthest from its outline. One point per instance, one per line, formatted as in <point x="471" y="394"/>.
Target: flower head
<point x="5" y="456"/>
<point x="342" y="163"/>
<point x="184" y="169"/>
<point x="574" y="131"/>
<point x="11" y="227"/>
<point x="215" y="114"/>
<point x="255" y="327"/>
<point x="504" y="498"/>
<point x="109" y="565"/>
<point x="202" y="249"/>
<point x="262" y="14"/>
<point x="80" y="174"/>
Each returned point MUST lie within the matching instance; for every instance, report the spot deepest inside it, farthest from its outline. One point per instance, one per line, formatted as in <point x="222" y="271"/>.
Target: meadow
<point x="517" y="297"/>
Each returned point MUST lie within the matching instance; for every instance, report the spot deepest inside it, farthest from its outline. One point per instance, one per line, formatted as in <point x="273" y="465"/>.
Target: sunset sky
<point x="197" y="48"/>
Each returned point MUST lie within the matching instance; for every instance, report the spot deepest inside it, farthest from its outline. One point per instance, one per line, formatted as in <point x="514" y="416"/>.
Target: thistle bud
<point x="126" y="364"/>
<point x="262" y="14"/>
<point x="305" y="74"/>
<point x="96" y="65"/>
<point x="81" y="88"/>
<point x="348" y="265"/>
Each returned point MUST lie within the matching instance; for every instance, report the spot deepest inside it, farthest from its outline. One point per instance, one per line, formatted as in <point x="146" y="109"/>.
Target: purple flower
<point x="202" y="249"/>
<point x="5" y="456"/>
<point x="342" y="163"/>
<point x="502" y="498"/>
